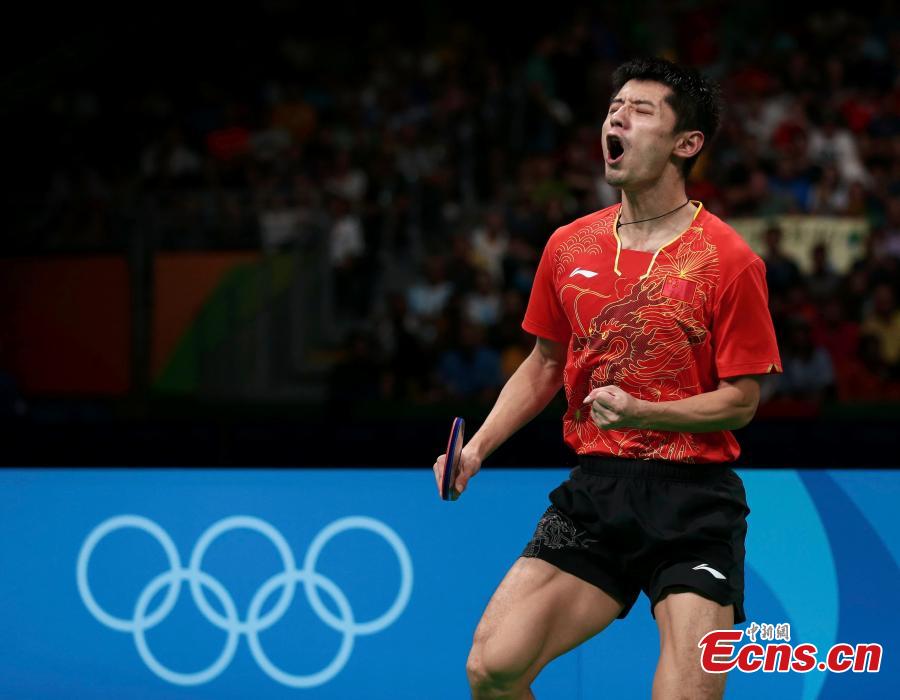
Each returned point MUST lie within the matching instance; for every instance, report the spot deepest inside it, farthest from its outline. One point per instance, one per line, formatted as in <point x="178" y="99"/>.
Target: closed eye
<point x="615" y="107"/>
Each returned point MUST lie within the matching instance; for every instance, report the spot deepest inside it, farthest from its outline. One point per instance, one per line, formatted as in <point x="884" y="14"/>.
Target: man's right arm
<point x="525" y="395"/>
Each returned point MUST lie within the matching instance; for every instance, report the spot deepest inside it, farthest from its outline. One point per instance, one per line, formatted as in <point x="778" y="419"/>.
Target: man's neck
<point x="650" y="202"/>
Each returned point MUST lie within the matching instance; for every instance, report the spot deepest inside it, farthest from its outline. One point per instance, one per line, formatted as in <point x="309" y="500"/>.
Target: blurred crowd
<point x="434" y="168"/>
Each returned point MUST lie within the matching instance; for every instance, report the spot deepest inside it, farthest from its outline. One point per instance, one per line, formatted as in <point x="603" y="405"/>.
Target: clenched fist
<point x="612" y="407"/>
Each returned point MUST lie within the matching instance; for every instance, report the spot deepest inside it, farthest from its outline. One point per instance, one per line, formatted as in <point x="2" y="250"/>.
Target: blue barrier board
<point x="265" y="583"/>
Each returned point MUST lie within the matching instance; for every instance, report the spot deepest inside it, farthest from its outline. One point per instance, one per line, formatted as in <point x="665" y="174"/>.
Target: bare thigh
<point x="536" y="614"/>
<point x="683" y="619"/>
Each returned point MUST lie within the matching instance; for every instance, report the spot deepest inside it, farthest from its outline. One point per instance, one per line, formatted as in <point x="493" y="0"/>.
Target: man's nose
<point x="617" y="118"/>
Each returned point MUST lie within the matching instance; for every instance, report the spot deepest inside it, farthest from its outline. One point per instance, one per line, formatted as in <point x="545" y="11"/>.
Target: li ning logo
<point x="707" y="567"/>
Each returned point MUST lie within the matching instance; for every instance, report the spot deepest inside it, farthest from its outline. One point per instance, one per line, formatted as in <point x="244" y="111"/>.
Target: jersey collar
<point x="695" y="202"/>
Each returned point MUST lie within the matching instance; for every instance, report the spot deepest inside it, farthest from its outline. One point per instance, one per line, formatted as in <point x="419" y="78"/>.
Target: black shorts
<point x="628" y="526"/>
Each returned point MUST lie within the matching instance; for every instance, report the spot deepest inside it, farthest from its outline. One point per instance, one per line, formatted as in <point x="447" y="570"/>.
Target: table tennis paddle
<point x="452" y="459"/>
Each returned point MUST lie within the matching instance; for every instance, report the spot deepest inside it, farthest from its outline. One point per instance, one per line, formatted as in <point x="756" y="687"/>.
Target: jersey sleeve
<point x="545" y="316"/>
<point x="743" y="336"/>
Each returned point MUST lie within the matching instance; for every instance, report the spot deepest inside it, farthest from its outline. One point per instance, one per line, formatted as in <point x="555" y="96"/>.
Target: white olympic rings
<point x="229" y="620"/>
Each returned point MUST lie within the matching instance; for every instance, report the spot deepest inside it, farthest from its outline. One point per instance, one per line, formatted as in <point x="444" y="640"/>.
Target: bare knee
<point x="679" y="676"/>
<point x="494" y="675"/>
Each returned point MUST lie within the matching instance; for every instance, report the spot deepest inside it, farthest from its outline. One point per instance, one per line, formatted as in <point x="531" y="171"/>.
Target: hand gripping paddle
<point x="452" y="459"/>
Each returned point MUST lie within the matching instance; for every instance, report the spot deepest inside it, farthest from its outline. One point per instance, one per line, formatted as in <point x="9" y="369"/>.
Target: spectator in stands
<point x="514" y="343"/>
<point x="782" y="272"/>
<point x="346" y="250"/>
<point x="482" y="305"/>
<point x="830" y="196"/>
<point x="792" y="183"/>
<point x="808" y="372"/>
<point x="428" y="297"/>
<point x="490" y="244"/>
<point x="461" y="268"/>
<point x="542" y="110"/>
<point x="857" y="200"/>
<point x="798" y="304"/>
<point x="281" y="223"/>
<point x="229" y="141"/>
<point x="867" y="377"/>
<point x="171" y="160"/>
<point x="347" y="179"/>
<point x="407" y="361"/>
<point x="294" y="114"/>
<point x="832" y="144"/>
<point x="883" y="322"/>
<point x="875" y="264"/>
<point x="765" y="200"/>
<point x="470" y="369"/>
<point x="836" y="333"/>
<point x="822" y="282"/>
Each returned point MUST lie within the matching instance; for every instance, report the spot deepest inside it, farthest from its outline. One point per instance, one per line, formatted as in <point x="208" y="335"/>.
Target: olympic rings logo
<point x="230" y="622"/>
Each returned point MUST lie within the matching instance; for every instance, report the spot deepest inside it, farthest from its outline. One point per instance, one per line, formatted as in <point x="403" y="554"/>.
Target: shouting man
<point x="653" y="315"/>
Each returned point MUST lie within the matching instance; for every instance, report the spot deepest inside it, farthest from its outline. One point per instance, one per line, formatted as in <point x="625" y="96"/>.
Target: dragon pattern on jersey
<point x="639" y="337"/>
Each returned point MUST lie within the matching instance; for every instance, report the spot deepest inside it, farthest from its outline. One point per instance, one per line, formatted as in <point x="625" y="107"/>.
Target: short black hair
<point x="696" y="101"/>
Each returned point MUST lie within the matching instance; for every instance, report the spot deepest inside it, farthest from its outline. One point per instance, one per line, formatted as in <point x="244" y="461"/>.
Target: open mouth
<point x="615" y="149"/>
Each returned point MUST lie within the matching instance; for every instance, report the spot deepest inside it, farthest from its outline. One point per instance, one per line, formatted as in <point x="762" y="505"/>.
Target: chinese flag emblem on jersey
<point x="679" y="288"/>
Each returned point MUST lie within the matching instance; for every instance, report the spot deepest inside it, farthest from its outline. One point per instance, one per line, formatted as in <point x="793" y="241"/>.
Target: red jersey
<point x="662" y="326"/>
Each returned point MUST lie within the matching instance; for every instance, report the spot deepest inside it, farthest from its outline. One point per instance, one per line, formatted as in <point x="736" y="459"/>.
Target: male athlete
<point x="652" y="314"/>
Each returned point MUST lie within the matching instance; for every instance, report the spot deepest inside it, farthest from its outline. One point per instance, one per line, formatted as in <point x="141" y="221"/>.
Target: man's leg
<point x="536" y="614"/>
<point x="683" y="618"/>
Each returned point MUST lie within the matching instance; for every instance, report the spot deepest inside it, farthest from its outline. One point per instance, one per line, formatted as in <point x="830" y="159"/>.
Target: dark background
<point x="366" y="190"/>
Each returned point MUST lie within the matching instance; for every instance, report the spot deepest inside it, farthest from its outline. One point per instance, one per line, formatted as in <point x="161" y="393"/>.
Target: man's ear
<point x="688" y="144"/>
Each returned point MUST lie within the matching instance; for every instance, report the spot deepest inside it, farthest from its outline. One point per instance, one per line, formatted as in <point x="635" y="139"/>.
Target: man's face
<point x="638" y="134"/>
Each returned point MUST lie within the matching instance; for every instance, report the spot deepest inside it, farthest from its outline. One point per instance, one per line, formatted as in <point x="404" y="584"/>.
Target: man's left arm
<point x="732" y="405"/>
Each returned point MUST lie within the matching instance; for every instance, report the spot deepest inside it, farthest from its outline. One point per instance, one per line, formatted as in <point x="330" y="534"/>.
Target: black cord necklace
<point x="619" y="224"/>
